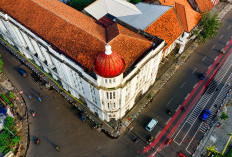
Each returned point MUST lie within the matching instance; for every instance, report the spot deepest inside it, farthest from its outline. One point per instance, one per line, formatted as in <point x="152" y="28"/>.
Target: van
<point x="151" y="124"/>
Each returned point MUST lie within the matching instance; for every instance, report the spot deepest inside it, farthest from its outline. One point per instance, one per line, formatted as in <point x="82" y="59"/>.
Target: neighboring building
<point x="205" y="5"/>
<point x="105" y="65"/>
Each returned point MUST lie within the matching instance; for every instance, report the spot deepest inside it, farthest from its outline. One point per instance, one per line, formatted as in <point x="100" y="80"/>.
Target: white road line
<point x="182" y="85"/>
<point x="169" y="101"/>
<point x="213" y="46"/>
<point x="191" y="142"/>
<point x="179" y="132"/>
<point x="168" y="120"/>
<point x="194" y="70"/>
<point x="194" y="85"/>
<point x="221" y="37"/>
<point x="203" y="59"/>
<point x="186" y="96"/>
<point x="229" y="27"/>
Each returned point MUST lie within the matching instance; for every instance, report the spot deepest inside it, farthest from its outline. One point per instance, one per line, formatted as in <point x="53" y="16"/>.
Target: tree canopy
<point x="135" y="1"/>
<point x="8" y="137"/>
<point x="80" y="4"/>
<point x="208" y="27"/>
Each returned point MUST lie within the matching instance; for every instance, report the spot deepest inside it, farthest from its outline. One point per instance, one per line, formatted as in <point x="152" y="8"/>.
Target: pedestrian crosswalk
<point x="199" y="107"/>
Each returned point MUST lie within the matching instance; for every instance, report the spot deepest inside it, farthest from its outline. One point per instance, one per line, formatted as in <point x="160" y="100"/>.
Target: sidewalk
<point x="19" y="111"/>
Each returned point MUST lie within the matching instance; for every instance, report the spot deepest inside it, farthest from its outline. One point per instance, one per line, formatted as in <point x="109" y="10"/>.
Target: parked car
<point x="22" y="72"/>
<point x="151" y="124"/>
<point x="205" y="115"/>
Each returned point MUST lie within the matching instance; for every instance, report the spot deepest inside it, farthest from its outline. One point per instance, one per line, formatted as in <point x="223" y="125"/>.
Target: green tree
<point x="8" y="137"/>
<point x="212" y="150"/>
<point x="208" y="27"/>
<point x="135" y="1"/>
<point x="1" y="63"/>
<point x="80" y="4"/>
<point x="224" y="116"/>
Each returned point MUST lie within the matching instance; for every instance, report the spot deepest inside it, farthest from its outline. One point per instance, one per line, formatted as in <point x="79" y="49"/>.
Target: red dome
<point x="109" y="64"/>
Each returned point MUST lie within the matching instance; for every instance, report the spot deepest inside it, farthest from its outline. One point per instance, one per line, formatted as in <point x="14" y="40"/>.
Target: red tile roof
<point x="72" y="32"/>
<point x="204" y="5"/>
<point x="188" y="17"/>
<point x="172" y="2"/>
<point x="166" y="27"/>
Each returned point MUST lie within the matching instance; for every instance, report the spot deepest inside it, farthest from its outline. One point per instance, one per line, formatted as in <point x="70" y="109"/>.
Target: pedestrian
<point x="29" y="96"/>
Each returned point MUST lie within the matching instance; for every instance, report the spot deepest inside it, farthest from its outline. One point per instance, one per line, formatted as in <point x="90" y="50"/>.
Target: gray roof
<point x="117" y="8"/>
<point x="150" y="13"/>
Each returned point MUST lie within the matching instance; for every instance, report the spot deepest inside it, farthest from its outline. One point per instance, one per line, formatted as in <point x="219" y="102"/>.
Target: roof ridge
<point x="66" y="20"/>
<point x="178" y="18"/>
<point x="185" y="17"/>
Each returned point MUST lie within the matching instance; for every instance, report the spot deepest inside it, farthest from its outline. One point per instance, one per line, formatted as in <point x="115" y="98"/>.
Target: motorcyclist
<point x="38" y="141"/>
<point x="57" y="148"/>
<point x="33" y="113"/>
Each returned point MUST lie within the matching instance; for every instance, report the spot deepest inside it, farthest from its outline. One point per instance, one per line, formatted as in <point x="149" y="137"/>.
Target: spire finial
<point x="108" y="49"/>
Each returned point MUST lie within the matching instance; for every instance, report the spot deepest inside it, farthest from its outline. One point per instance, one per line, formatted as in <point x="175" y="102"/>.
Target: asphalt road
<point x="56" y="123"/>
<point x="181" y="84"/>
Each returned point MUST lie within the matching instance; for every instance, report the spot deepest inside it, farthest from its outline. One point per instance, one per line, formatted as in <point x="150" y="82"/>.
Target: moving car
<point x="202" y="76"/>
<point x="151" y="124"/>
<point x="205" y="115"/>
<point x="22" y="72"/>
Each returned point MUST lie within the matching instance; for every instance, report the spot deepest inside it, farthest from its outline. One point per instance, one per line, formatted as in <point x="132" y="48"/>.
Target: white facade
<point x="108" y="97"/>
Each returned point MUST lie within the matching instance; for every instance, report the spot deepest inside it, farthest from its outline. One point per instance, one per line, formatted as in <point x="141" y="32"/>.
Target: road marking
<point x="229" y="27"/>
<point x="221" y="37"/>
<point x="186" y="96"/>
<point x="168" y="120"/>
<point x="203" y="59"/>
<point x="213" y="46"/>
<point x="194" y="70"/>
<point x="182" y="85"/>
<point x="169" y="101"/>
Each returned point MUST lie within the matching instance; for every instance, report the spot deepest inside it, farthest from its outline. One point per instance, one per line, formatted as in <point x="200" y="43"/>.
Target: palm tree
<point x="211" y="150"/>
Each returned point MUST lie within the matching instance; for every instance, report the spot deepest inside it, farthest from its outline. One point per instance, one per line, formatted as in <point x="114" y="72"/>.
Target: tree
<point x="1" y="64"/>
<point x="208" y="27"/>
<point x="135" y="1"/>
<point x="8" y="137"/>
<point x="80" y="4"/>
<point x="224" y="116"/>
<point x="212" y="150"/>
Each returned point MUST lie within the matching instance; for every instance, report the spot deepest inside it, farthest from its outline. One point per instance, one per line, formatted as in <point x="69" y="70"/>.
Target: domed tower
<point x="109" y="64"/>
<point x="109" y="67"/>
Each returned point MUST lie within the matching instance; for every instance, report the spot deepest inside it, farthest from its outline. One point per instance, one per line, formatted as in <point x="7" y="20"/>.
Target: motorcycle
<point x="37" y="141"/>
<point x="57" y="148"/>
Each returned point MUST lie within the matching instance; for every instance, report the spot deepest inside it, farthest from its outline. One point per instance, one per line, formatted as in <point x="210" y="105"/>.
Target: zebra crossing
<point x="204" y="126"/>
<point x="192" y="118"/>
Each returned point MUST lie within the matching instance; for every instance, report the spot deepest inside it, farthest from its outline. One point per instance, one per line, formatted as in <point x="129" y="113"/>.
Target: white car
<point x="151" y="124"/>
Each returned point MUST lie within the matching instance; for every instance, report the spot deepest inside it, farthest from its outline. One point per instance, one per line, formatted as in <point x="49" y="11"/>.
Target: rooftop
<point x="188" y="17"/>
<point x="117" y="8"/>
<point x="149" y="14"/>
<point x="205" y="5"/>
<point x="166" y="27"/>
<point x="73" y="33"/>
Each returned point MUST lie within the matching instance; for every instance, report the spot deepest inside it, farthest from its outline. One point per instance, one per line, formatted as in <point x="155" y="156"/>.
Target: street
<point x="56" y="122"/>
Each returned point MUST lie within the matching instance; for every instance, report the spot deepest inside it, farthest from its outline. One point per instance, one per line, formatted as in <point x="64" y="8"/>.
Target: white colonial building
<point x="107" y="66"/>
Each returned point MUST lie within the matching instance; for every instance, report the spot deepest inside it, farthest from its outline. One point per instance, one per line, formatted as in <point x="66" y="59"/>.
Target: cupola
<point x="109" y="64"/>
